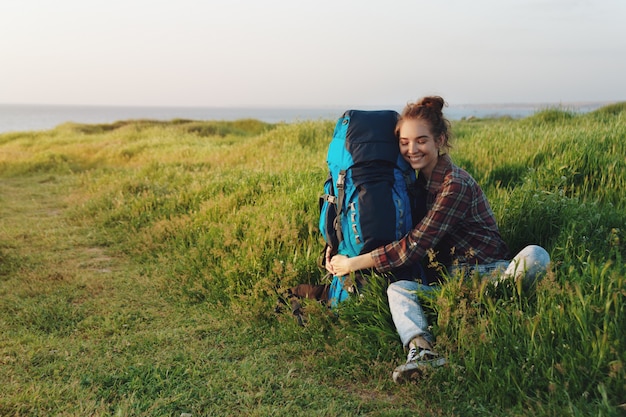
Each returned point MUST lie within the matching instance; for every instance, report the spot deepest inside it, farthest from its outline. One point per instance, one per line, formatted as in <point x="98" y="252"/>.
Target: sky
<point x="279" y="53"/>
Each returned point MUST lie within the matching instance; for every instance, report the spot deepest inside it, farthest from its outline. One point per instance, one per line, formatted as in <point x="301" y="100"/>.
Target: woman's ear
<point x="440" y="143"/>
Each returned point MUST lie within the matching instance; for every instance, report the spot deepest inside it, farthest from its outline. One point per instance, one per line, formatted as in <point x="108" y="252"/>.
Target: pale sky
<point x="279" y="53"/>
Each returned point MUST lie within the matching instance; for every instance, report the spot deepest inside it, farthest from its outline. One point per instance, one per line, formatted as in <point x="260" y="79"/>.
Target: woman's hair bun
<point x="434" y="102"/>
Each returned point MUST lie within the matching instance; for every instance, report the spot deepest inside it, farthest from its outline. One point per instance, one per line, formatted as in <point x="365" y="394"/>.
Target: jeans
<point x="529" y="264"/>
<point x="406" y="310"/>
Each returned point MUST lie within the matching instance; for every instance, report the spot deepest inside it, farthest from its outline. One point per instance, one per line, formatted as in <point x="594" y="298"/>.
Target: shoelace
<point x="420" y="355"/>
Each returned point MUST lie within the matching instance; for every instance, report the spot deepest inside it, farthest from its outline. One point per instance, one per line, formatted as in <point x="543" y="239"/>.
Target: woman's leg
<point x="406" y="311"/>
<point x="530" y="263"/>
<point x="412" y="327"/>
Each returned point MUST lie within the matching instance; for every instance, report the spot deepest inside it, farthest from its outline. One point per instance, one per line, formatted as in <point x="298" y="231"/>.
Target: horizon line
<point x="319" y="106"/>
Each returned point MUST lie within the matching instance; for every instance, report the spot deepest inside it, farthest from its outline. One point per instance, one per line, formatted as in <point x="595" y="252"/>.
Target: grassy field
<point x="140" y="263"/>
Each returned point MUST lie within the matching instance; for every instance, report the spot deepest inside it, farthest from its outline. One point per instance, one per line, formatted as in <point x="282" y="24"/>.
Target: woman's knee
<point x="401" y="289"/>
<point x="531" y="262"/>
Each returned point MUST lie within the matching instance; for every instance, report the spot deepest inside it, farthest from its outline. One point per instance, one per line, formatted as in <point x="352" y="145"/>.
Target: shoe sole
<point x="410" y="370"/>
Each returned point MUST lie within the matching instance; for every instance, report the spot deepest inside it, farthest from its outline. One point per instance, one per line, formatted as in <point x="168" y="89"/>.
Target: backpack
<point x="366" y="201"/>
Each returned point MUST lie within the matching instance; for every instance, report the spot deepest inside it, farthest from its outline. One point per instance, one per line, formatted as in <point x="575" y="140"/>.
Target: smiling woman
<point x="458" y="233"/>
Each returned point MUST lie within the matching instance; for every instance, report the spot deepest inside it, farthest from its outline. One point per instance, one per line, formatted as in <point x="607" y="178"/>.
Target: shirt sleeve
<point x="449" y="208"/>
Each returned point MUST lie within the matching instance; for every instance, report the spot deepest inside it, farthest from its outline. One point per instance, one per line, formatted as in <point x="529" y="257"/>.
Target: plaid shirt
<point x="459" y="225"/>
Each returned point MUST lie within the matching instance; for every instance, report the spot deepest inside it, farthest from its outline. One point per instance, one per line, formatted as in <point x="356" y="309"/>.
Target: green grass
<point x="140" y="263"/>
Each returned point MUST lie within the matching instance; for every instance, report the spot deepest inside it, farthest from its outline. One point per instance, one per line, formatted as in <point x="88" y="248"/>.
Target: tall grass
<point x="225" y="215"/>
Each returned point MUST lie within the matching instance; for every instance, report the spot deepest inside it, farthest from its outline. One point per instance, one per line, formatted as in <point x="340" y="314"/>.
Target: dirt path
<point x="38" y="242"/>
<point x="73" y="315"/>
<point x="43" y="251"/>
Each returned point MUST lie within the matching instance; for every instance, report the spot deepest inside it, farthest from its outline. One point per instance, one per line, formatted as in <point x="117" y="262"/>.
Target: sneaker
<point x="417" y="360"/>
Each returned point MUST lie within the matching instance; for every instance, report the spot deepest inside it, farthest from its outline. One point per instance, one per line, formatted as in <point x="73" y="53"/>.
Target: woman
<point x="458" y="231"/>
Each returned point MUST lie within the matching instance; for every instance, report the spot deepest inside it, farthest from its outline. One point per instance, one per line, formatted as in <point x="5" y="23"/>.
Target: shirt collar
<point x="444" y="164"/>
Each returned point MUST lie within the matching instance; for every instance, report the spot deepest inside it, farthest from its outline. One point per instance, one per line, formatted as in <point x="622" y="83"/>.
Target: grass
<point x="140" y="263"/>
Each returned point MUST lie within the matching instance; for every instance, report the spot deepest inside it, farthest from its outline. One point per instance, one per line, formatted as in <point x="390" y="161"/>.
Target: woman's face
<point x="418" y="146"/>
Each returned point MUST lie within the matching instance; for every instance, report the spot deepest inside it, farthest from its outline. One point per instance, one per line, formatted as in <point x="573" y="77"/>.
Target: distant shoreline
<point x="29" y="117"/>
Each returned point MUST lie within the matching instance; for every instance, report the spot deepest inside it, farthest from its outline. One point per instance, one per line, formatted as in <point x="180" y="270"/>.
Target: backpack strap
<point x="341" y="195"/>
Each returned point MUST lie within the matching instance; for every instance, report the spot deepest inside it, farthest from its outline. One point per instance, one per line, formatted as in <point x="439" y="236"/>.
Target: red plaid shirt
<point x="459" y="225"/>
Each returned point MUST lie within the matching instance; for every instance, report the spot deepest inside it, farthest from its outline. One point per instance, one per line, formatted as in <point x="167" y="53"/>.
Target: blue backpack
<point x="366" y="201"/>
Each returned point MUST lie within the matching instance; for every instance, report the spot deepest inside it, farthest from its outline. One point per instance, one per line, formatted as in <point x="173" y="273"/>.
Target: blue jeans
<point x="406" y="310"/>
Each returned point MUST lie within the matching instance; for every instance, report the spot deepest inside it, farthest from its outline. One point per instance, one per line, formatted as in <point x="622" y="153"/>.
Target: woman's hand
<point x="340" y="265"/>
<point x="327" y="263"/>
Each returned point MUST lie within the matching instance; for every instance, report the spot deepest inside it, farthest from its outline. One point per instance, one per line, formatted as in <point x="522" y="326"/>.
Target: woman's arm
<point x="449" y="208"/>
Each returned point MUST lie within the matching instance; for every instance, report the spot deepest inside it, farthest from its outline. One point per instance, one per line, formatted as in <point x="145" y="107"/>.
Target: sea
<point x="27" y="117"/>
